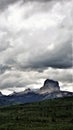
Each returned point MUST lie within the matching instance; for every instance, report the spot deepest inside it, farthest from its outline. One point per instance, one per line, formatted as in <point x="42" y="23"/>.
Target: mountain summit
<point x="50" y="86"/>
<point x="28" y="90"/>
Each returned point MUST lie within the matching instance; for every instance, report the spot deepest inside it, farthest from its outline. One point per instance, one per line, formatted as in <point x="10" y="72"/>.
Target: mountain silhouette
<point x="49" y="90"/>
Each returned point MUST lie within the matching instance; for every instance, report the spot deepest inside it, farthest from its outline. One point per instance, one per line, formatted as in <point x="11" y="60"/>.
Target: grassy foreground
<point x="56" y="114"/>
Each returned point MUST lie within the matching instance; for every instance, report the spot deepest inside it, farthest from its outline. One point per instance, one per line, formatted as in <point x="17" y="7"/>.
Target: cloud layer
<point x="34" y="37"/>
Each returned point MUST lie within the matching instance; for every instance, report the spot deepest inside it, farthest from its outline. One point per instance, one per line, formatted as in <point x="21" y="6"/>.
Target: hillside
<point x="53" y="114"/>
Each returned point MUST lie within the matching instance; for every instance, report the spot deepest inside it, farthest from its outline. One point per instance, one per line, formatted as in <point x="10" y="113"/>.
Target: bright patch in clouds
<point x="35" y="44"/>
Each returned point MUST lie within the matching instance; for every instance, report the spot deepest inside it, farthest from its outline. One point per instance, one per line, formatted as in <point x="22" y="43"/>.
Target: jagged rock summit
<point x="50" y="86"/>
<point x="28" y="90"/>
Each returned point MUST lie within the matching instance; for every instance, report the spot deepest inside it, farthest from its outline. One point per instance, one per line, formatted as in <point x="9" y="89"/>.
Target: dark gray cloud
<point x="60" y="57"/>
<point x="5" y="3"/>
<point x="4" y="68"/>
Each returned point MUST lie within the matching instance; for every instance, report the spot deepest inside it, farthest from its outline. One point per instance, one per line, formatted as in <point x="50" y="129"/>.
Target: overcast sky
<point x="35" y="43"/>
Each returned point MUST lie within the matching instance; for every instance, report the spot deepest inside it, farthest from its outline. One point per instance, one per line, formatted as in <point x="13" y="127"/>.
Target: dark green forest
<point x="54" y="114"/>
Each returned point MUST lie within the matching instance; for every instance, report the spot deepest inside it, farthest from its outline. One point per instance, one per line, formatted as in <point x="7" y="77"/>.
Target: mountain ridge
<point x="49" y="90"/>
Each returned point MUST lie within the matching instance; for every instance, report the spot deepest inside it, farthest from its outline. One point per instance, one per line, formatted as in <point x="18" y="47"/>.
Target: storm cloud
<point x="34" y="37"/>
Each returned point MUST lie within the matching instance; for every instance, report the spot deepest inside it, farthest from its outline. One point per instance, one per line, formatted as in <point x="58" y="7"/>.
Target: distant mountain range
<point x="50" y="90"/>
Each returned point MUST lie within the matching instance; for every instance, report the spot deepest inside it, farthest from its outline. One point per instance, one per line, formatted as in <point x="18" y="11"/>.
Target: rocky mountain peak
<point x="50" y="86"/>
<point x="27" y="90"/>
<point x="51" y="83"/>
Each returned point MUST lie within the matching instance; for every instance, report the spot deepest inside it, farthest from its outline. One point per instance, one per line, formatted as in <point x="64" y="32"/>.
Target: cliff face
<point x="0" y="94"/>
<point x="50" y="86"/>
